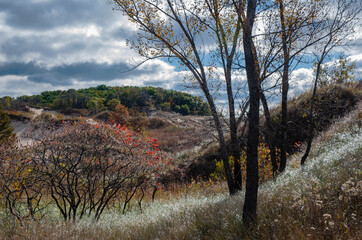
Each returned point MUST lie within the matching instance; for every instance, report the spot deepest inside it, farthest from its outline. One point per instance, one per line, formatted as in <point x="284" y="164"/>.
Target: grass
<point x="322" y="200"/>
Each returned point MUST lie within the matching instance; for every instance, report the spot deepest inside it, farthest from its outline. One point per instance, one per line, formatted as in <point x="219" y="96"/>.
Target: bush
<point x="112" y="104"/>
<point x="185" y="110"/>
<point x="120" y="115"/>
<point x="264" y="162"/>
<point x="81" y="168"/>
<point x="96" y="104"/>
<point x="6" y="130"/>
<point x="332" y="101"/>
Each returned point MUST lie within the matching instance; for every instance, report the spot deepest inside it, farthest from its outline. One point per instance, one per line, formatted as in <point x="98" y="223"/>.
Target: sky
<point x="51" y="44"/>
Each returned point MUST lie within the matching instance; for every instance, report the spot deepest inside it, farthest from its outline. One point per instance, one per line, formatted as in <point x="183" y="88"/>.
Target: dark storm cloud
<point x="50" y="44"/>
<point x="121" y="33"/>
<point x="49" y="14"/>
<point x="83" y="72"/>
<point x="51" y="32"/>
<point x="17" y="47"/>
<point x="20" y="69"/>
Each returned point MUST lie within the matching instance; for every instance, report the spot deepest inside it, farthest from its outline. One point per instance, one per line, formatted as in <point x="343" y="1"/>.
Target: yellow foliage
<point x="265" y="165"/>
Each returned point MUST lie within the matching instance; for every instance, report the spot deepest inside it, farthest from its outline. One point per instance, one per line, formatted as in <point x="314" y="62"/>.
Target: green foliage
<point x="113" y="103"/>
<point x="177" y="108"/>
<point x="96" y="104"/>
<point x="6" y="102"/>
<point x="185" y="110"/>
<point x="6" y="130"/>
<point x="166" y="106"/>
<point x="48" y="97"/>
<point x="140" y="98"/>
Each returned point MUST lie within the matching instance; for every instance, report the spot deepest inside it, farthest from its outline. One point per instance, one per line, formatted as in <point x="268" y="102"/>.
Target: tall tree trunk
<point x="235" y="143"/>
<point x="222" y="144"/>
<point x="251" y="193"/>
<point x="270" y="135"/>
<point x="285" y="87"/>
<point x="327" y="48"/>
<point x="311" y="118"/>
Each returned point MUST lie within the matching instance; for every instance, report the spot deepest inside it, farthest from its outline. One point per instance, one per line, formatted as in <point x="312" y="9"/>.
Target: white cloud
<point x="88" y="31"/>
<point x="11" y="85"/>
<point x="301" y="79"/>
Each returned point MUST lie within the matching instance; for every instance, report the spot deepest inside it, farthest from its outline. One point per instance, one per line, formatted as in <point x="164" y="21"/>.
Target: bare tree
<point x="342" y="21"/>
<point x="251" y="193"/>
<point x="292" y="29"/>
<point x="178" y="30"/>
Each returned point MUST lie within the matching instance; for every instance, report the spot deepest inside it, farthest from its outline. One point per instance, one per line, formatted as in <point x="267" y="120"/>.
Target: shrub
<point x="166" y="106"/>
<point x="265" y="165"/>
<point x="157" y="122"/>
<point x="333" y="101"/>
<point x="6" y="130"/>
<point x="82" y="168"/>
<point x="120" y="115"/>
<point x="184" y="109"/>
<point x="112" y="104"/>
<point x="96" y="104"/>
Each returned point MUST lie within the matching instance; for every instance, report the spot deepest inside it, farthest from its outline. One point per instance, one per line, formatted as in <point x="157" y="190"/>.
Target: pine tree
<point x="6" y="130"/>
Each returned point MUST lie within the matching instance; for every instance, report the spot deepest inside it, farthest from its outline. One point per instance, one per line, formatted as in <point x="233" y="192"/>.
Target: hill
<point x="190" y="137"/>
<point x="333" y="101"/>
<point x="100" y="98"/>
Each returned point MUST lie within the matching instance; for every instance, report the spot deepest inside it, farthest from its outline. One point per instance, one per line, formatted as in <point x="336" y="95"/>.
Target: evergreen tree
<point x="6" y="130"/>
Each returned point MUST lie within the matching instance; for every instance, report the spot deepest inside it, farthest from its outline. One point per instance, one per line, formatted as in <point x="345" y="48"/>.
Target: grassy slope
<point x="321" y="201"/>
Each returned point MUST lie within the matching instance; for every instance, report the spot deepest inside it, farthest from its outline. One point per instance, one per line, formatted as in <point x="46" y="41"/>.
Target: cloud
<point x="66" y="45"/>
<point x="301" y="79"/>
<point x="43" y="15"/>
<point x="62" y="32"/>
<point x="357" y="59"/>
<point x="50" y="44"/>
<point x="83" y="72"/>
<point x="37" y="78"/>
<point x="12" y="85"/>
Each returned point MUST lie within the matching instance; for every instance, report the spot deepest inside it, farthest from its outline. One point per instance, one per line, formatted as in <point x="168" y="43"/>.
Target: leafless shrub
<point x="82" y="168"/>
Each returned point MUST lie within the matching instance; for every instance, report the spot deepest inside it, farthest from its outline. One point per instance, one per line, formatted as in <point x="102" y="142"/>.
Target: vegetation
<point x="78" y="168"/>
<point x="100" y="98"/>
<point x="265" y="170"/>
<point x="334" y="101"/>
<point x="6" y="131"/>
<point x="320" y="200"/>
<point x="176" y="30"/>
<point x="84" y="170"/>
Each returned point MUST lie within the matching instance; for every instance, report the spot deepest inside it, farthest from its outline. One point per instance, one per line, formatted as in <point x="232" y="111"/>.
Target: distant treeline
<point x="103" y="97"/>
